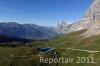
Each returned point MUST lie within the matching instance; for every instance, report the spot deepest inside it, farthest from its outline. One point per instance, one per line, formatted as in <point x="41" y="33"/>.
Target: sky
<point x="43" y="12"/>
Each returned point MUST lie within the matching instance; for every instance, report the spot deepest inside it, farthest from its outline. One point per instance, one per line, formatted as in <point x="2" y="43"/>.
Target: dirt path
<point x="89" y="51"/>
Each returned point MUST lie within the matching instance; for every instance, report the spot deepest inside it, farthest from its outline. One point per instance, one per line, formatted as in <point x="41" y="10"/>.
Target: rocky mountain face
<point x="62" y="27"/>
<point x="90" y="21"/>
<point x="27" y="31"/>
<point x="94" y="19"/>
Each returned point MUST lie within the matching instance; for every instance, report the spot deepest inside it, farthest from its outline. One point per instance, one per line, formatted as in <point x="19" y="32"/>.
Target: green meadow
<point x="85" y="51"/>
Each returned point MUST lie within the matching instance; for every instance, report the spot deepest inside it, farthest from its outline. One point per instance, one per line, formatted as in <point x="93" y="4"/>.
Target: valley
<point x="69" y="45"/>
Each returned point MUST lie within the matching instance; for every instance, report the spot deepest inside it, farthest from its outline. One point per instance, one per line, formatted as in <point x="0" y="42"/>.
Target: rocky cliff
<point x="90" y="21"/>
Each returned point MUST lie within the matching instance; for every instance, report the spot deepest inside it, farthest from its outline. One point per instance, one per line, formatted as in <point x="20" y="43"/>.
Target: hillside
<point x="74" y="45"/>
<point x="76" y="40"/>
<point x="69" y="45"/>
<point x="7" y="41"/>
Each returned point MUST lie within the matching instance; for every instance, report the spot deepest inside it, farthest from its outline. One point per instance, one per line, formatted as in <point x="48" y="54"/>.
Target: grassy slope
<point x="21" y="56"/>
<point x="72" y="40"/>
<point x="75" y="40"/>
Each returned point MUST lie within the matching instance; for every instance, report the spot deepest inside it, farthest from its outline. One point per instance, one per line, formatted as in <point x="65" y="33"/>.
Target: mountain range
<point x="26" y="31"/>
<point x="90" y="22"/>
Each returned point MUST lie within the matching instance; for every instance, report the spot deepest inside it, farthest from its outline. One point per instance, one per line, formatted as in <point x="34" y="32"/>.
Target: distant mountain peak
<point x="63" y="23"/>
